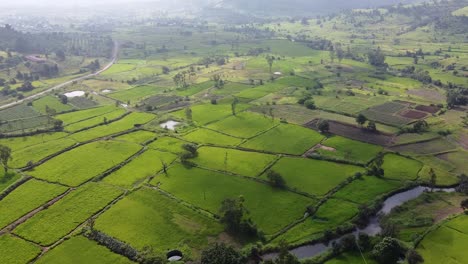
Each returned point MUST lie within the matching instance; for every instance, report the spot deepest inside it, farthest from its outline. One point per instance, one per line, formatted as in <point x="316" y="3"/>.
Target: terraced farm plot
<point x="58" y="220"/>
<point x="207" y="113"/>
<point x="457" y="159"/>
<point x="147" y="164"/>
<point x="389" y="107"/>
<point x="244" y="125"/>
<point x="138" y="137"/>
<point x="260" y="91"/>
<point x="17" y="143"/>
<point x="38" y="152"/>
<point x="172" y="225"/>
<point x="18" y="112"/>
<point x="210" y="137"/>
<point x="329" y="215"/>
<point x="236" y="161"/>
<point x="119" y="68"/>
<point x="101" y="119"/>
<point x="83" y="163"/>
<point x="79" y="249"/>
<point x="14" y="250"/>
<point x="168" y="144"/>
<point x="288" y="139"/>
<point x="271" y="209"/>
<point x="349" y="150"/>
<point x="445" y="244"/>
<point x="366" y="189"/>
<point x="53" y="102"/>
<point x="296" y="81"/>
<point x="230" y="88"/>
<point x="315" y="177"/>
<point x="121" y="125"/>
<point x="401" y="168"/>
<point x="444" y="177"/>
<point x="135" y="94"/>
<point x="26" y="198"/>
<point x="27" y="124"/>
<point x="428" y="147"/>
<point x="74" y="117"/>
<point x="393" y="120"/>
<point x="195" y="88"/>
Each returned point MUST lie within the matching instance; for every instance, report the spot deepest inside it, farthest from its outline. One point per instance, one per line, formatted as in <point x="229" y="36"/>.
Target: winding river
<point x="372" y="229"/>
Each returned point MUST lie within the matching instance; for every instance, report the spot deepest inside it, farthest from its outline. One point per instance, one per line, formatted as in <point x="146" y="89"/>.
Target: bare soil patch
<point x="431" y="95"/>
<point x="413" y="114"/>
<point x="463" y="140"/>
<point x="428" y="109"/>
<point x="355" y="132"/>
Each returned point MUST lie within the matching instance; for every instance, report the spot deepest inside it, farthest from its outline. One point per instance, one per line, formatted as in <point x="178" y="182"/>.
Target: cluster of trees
<point x="375" y="168"/>
<point x="94" y="66"/>
<point x="457" y="96"/>
<point x="77" y="44"/>
<point x="371" y="125"/>
<point x="219" y="60"/>
<point x="307" y="101"/>
<point x="419" y="126"/>
<point x="235" y="218"/>
<point x="5" y="157"/>
<point x="190" y="152"/>
<point x="377" y="58"/>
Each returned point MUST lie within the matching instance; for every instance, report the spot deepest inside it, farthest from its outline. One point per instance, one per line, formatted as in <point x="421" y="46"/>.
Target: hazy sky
<point x="69" y="2"/>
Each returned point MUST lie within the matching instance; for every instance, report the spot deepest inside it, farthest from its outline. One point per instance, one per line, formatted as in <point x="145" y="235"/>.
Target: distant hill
<point x="301" y="7"/>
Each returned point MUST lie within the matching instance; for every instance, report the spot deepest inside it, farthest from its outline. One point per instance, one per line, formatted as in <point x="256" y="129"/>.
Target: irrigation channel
<point x="372" y="229"/>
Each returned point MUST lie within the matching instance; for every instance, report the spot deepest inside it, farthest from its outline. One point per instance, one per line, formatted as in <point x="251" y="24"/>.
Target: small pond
<point x="74" y="94"/>
<point x="170" y="124"/>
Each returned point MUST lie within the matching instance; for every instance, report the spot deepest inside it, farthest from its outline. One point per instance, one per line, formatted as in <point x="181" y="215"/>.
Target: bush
<point x="310" y="104"/>
<point x="276" y="179"/>
<point x="221" y="254"/>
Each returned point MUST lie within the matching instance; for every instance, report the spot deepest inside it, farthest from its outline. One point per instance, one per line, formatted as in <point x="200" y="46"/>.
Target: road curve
<point x="115" y="52"/>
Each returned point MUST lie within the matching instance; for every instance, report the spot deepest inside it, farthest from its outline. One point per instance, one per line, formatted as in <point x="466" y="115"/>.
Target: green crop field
<point x="350" y="150"/>
<point x="333" y="213"/>
<point x="37" y="152"/>
<point x="83" y="163"/>
<point x="401" y="168"/>
<point x="95" y="120"/>
<point x="288" y="139"/>
<point x="81" y="249"/>
<point x="16" y="251"/>
<point x="58" y="220"/>
<point x="315" y="177"/>
<point x="206" y="136"/>
<point x="51" y="102"/>
<point x="121" y="125"/>
<point x="211" y="188"/>
<point x="244" y="125"/>
<point x="364" y="190"/>
<point x="231" y="160"/>
<point x="446" y="244"/>
<point x="138" y="137"/>
<point x="168" y="144"/>
<point x="77" y="116"/>
<point x="207" y="113"/>
<point x="25" y="198"/>
<point x="136" y="93"/>
<point x="171" y="226"/>
<point x="18" y="112"/>
<point x="147" y="164"/>
<point x="6" y="179"/>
